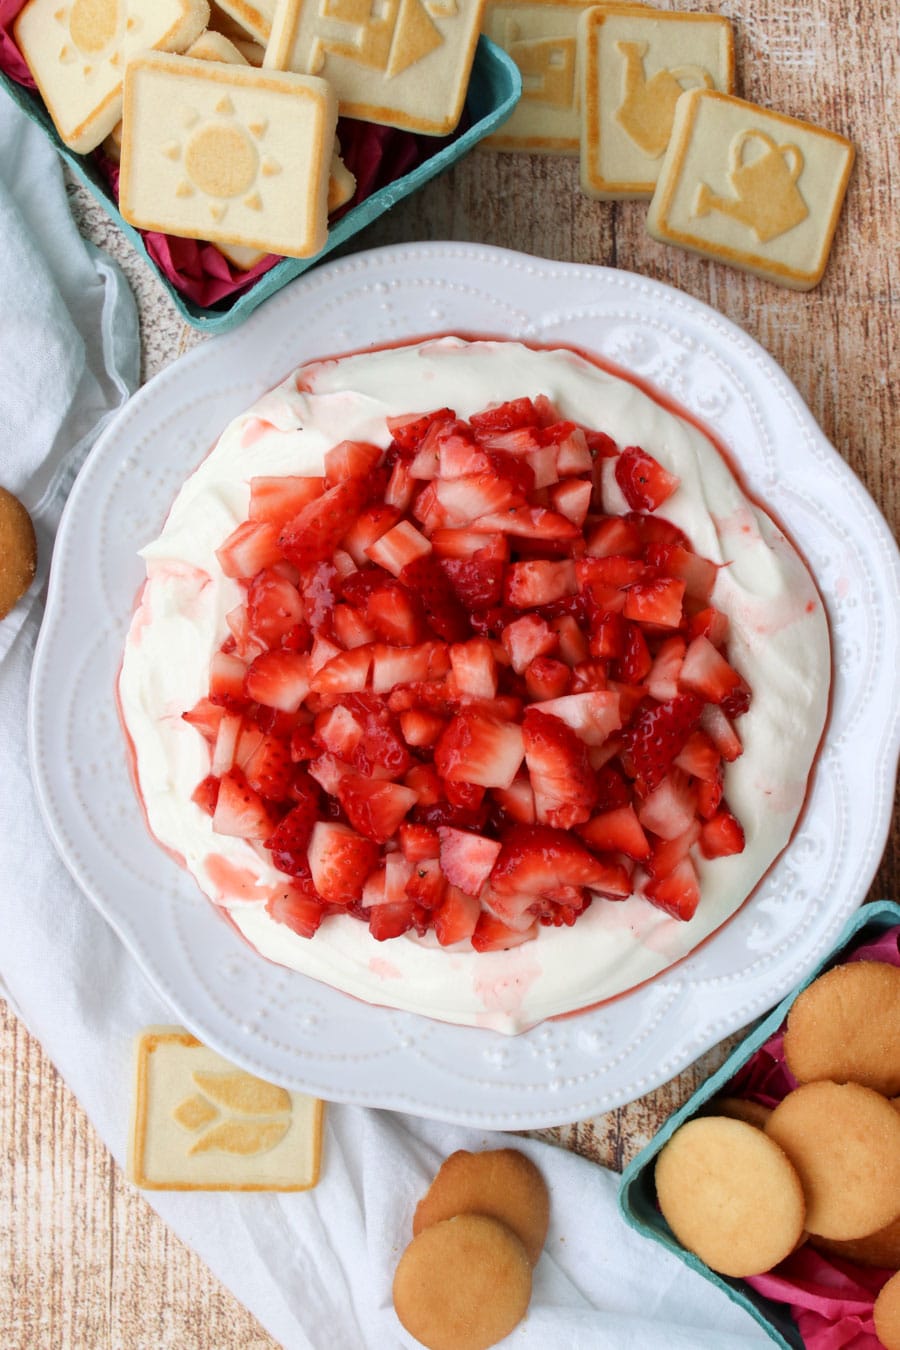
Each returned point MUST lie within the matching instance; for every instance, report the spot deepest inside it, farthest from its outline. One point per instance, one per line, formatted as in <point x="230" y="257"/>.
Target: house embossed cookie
<point x="751" y="187"/>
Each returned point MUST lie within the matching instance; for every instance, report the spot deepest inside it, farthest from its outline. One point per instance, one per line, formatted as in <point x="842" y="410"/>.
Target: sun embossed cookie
<point x="636" y="64"/>
<point x="198" y="1123"/>
<point x="227" y="153"/>
<point x="77" y="52"/>
<point x="403" y="63"/>
<point x="751" y="187"/>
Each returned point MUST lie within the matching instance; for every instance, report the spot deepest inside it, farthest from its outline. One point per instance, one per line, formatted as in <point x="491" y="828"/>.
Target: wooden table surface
<point x="88" y="1263"/>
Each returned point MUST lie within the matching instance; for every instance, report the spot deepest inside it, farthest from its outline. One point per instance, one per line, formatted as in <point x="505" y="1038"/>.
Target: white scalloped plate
<point x="287" y="1027"/>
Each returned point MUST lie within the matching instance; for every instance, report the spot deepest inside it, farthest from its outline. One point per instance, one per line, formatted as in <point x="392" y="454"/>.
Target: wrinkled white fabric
<point x="315" y="1268"/>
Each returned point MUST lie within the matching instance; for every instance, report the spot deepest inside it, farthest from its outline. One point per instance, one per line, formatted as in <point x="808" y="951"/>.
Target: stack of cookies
<point x="744" y="1186"/>
<point x="223" y="117"/>
<point x="646" y="98"/>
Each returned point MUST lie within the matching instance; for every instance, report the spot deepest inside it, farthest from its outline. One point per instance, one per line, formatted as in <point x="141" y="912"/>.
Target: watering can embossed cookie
<point x="751" y="187"/>
<point x="636" y="64"/>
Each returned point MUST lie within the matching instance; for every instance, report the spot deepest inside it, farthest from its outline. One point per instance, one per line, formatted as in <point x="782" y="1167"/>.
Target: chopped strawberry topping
<point x="457" y="695"/>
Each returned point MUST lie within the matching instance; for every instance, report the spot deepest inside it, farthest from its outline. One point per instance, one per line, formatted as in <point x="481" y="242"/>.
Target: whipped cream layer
<point x="778" y="641"/>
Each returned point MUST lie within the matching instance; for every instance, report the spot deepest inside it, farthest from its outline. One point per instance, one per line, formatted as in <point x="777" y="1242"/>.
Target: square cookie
<point x="254" y="16"/>
<point x="200" y="1124"/>
<point x="636" y="64"/>
<point x="542" y="39"/>
<point x="77" y="54"/>
<point x="402" y="63"/>
<point x="751" y="187"/>
<point x="227" y="153"/>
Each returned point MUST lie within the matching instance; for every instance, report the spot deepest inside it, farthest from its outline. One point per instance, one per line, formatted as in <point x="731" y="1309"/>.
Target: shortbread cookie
<point x="342" y="184"/>
<point x="227" y="153"/>
<point x="18" y="551"/>
<point x="200" y="1124"/>
<point x="463" y="1284"/>
<point x="501" y="1183"/>
<point x="254" y="16"/>
<point x="880" y="1249"/>
<point x="636" y="64"/>
<point x="752" y="188"/>
<point x="846" y="1026"/>
<point x="542" y="39"/>
<point x="730" y="1195"/>
<point x="886" y="1314"/>
<point x="78" y="51"/>
<point x="213" y="46"/>
<point x="403" y="63"/>
<point x="844" y="1141"/>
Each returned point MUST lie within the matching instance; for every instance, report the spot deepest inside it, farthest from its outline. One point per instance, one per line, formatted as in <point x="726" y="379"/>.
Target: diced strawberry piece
<point x="393" y="919"/>
<point x="426" y="580"/>
<point x="709" y="623"/>
<point x="644" y="482"/>
<point x="518" y="412"/>
<point x="226" y="679"/>
<point x="426" y="783"/>
<point x="350" y="628"/>
<point x="409" y="429"/>
<point x="345" y="673"/>
<point x="616" y="831"/>
<point x="426" y="463"/>
<point x="468" y="796"/>
<point x="269" y="769"/>
<point x="464" y="544"/>
<point x="573" y="455"/>
<point x="614" y="536"/>
<point x="279" y="679"/>
<point x="350" y="459"/>
<point x="699" y="757"/>
<point x="668" y="853"/>
<point x="526" y="638"/>
<point x="607" y="639"/>
<point x="396" y="666"/>
<point x="477" y="749"/>
<point x="224" y="749"/>
<point x="321" y="652"/>
<point x="399" y="546"/>
<point x="274" y="607"/>
<point x="737" y="702"/>
<point x="655" y="530"/>
<point x="709" y="793"/>
<point x="656" y="736"/>
<point x="573" y="646"/>
<point x="527" y="522"/>
<point x="678" y="894"/>
<point x="563" y="781"/>
<point x="542" y="464"/>
<point x="338" y="731"/>
<point x="634" y="665"/>
<point x="339" y="860"/>
<point x="395" y="614"/>
<point x="572" y="499"/>
<point x="536" y="858"/>
<point x="467" y="859"/>
<point x="546" y="678"/>
<point x="529" y="584"/>
<point x="474" y="668"/>
<point x="328" y="771"/>
<point x="612" y="790"/>
<point x="421" y="728"/>
<point x="455" y="918"/>
<point x="705" y="671"/>
<point x="459" y="456"/>
<point x="401" y="486"/>
<point x="721" y="733"/>
<point x="477" y="582"/>
<point x="303" y="744"/>
<point x="427" y="884"/>
<point x="662" y="680"/>
<point x="517" y="800"/>
<point x="298" y="910"/>
<point x="721" y="836"/>
<point x="206" y="794"/>
<point x="315" y="532"/>
<point x="589" y="677"/>
<point x="278" y="499"/>
<point x="658" y="603"/>
<point x="368" y="527"/>
<point x="466" y="499"/>
<point x="205" y="717"/>
<point x="418" y="842"/>
<point x="240" y="811"/>
<point x="249" y="548"/>
<point x="592" y="716"/>
<point x="290" y="838"/>
<point x="674" y="560"/>
<point x="375" y="808"/>
<point x="670" y="808"/>
<point x="491" y="935"/>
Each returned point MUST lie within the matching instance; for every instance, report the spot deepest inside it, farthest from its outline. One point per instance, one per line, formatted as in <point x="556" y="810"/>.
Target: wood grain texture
<point x="89" y="1265"/>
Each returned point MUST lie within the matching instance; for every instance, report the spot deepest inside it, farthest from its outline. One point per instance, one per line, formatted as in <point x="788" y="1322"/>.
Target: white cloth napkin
<point x="316" y="1268"/>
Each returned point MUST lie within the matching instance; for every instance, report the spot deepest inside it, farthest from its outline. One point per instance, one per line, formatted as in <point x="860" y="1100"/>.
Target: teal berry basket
<point x="494" y="89"/>
<point x="637" y="1191"/>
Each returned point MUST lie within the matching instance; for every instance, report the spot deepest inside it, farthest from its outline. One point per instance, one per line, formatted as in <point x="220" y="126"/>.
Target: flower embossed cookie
<point x="636" y="65"/>
<point x="404" y="64"/>
<point x="200" y="1124"/>
<point x="751" y="187"/>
